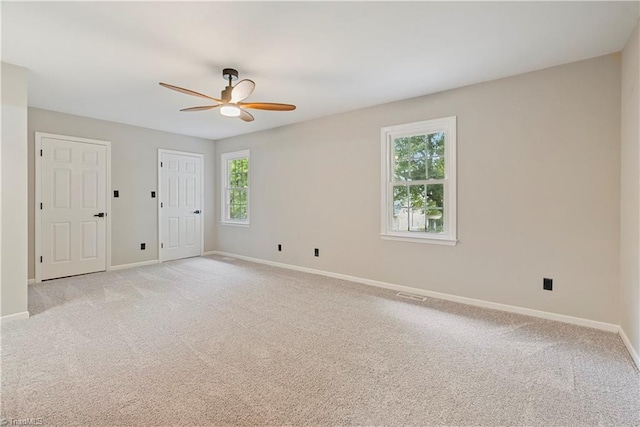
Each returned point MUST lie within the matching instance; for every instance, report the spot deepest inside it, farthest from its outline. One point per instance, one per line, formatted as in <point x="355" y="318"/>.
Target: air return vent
<point x="411" y="296"/>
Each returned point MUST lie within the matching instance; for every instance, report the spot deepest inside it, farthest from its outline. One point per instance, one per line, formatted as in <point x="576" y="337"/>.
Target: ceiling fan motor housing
<point x="225" y="95"/>
<point x="230" y="74"/>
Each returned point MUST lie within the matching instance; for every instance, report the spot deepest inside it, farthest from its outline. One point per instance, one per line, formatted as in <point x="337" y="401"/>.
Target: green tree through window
<point x="238" y="185"/>
<point x="418" y="204"/>
<point x="235" y="196"/>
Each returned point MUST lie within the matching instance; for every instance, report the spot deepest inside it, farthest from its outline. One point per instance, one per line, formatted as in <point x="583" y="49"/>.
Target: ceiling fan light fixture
<point x="230" y="110"/>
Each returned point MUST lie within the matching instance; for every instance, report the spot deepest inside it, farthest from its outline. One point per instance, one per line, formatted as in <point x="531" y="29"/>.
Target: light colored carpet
<point x="215" y="341"/>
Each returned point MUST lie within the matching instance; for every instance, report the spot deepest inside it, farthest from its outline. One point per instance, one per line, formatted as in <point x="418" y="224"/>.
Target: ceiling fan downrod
<point x="231" y="75"/>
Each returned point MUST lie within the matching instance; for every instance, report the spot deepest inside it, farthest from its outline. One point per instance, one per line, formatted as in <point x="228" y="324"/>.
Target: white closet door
<point x="73" y="195"/>
<point x="181" y="235"/>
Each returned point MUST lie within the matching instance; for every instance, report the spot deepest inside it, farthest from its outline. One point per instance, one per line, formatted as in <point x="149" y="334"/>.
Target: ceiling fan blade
<point x="246" y="116"/>
<point x="242" y="90"/>
<point x="206" y="107"/>
<point x="268" y="106"/>
<point x="188" y="92"/>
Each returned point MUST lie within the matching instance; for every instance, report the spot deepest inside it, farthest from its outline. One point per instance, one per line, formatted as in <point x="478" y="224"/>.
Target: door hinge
<point x="40" y="259"/>
<point x="40" y="153"/>
<point x="161" y="245"/>
<point x="40" y="206"/>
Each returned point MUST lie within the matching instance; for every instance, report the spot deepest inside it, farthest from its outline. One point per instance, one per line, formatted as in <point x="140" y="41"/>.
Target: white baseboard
<point x="15" y="316"/>
<point x="119" y="267"/>
<point x="627" y="343"/>
<point x="134" y="264"/>
<point x="609" y="327"/>
<point x="209" y="253"/>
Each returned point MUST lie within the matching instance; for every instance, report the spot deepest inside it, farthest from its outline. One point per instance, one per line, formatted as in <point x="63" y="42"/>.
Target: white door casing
<point x="72" y="185"/>
<point x="180" y="175"/>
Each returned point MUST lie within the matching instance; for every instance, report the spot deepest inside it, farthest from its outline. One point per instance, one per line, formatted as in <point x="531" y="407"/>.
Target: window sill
<point x="433" y="240"/>
<point x="235" y="223"/>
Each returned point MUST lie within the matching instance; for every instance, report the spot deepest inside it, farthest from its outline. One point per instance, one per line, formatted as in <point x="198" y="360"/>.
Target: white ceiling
<point x="104" y="60"/>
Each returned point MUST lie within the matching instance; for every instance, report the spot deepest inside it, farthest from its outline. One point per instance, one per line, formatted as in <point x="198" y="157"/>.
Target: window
<point x="235" y="193"/>
<point x="419" y="182"/>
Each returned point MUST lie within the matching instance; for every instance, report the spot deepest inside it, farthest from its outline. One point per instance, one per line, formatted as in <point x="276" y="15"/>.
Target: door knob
<point x="101" y="215"/>
<point x="196" y="212"/>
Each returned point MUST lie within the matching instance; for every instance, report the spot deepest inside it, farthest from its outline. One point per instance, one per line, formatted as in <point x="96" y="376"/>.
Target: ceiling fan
<point x="230" y="99"/>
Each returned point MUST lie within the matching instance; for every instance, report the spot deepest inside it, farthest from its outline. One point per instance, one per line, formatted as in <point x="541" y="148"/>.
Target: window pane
<point x="399" y="198"/>
<point x="402" y="172"/>
<point x="417" y="197"/>
<point x="238" y="204"/>
<point x="435" y="208"/>
<point x="401" y="156"/>
<point x="238" y="211"/>
<point x="400" y="219"/>
<point x="238" y="197"/>
<point x="239" y="173"/>
<point x="417" y="219"/>
<point x="418" y="146"/>
<point x="410" y="158"/>
<point x="417" y="203"/>
<point x="435" y="155"/>
<point x="401" y="148"/>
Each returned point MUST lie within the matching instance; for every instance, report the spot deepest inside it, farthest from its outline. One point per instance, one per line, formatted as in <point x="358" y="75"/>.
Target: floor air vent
<point x="411" y="296"/>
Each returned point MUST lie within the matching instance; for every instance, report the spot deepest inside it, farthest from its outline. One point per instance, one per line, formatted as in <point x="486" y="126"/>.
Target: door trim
<point x="38" y="190"/>
<point x="162" y="151"/>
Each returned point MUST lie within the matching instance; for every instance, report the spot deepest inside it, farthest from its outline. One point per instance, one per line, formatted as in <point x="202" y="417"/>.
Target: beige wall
<point x="538" y="193"/>
<point x="630" y="193"/>
<point x="134" y="154"/>
<point x="13" y="289"/>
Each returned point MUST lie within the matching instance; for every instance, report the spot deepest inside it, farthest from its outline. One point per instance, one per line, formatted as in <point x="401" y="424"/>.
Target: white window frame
<point x="225" y="158"/>
<point x="388" y="134"/>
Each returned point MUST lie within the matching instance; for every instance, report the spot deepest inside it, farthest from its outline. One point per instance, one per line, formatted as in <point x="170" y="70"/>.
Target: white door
<point x="73" y="193"/>
<point x="180" y="206"/>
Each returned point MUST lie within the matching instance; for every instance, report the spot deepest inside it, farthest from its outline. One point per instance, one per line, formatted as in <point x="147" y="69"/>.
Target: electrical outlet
<point x="279" y="247"/>
<point x="143" y="246"/>
<point x="547" y="284"/>
<point x="316" y="252"/>
<point x="116" y="193"/>
<point x="153" y="194"/>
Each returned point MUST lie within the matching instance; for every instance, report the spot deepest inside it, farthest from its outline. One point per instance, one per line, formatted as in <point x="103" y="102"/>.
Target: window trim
<point x="387" y="134"/>
<point x="225" y="158"/>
